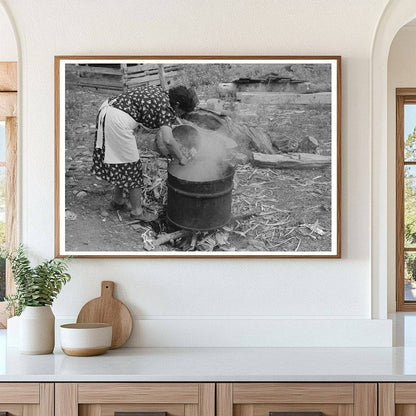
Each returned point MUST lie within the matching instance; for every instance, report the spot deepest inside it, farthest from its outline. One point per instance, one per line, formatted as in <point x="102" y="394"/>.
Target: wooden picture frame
<point x="281" y="111"/>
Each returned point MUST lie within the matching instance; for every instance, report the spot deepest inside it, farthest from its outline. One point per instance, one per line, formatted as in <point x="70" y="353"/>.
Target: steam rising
<point x="209" y="163"/>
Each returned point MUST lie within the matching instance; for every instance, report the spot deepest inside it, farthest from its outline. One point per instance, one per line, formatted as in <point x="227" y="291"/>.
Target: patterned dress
<point x="148" y="106"/>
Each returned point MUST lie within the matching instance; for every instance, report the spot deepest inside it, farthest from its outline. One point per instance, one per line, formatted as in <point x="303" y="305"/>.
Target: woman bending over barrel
<point x="116" y="157"/>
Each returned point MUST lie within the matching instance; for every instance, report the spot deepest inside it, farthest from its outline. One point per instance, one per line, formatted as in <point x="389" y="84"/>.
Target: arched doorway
<point x="396" y="14"/>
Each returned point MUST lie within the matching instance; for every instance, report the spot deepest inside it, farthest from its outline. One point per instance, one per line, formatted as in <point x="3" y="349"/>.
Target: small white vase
<point x="37" y="330"/>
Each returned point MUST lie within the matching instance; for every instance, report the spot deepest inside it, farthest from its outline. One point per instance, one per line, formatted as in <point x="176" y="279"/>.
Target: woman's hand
<point x="193" y="152"/>
<point x="183" y="161"/>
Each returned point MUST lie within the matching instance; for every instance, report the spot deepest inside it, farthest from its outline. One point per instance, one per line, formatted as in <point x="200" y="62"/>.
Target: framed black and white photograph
<point x="198" y="156"/>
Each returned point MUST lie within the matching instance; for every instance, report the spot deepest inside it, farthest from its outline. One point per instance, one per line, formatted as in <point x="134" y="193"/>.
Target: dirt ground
<point x="273" y="210"/>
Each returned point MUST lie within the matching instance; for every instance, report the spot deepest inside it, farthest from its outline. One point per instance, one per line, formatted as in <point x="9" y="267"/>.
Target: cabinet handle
<point x="296" y="414"/>
<point x="137" y="414"/>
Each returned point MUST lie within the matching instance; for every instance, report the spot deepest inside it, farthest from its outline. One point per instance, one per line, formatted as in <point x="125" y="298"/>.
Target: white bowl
<point x="83" y="340"/>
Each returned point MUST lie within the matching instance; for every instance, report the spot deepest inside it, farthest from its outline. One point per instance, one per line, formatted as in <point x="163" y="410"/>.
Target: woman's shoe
<point x="115" y="206"/>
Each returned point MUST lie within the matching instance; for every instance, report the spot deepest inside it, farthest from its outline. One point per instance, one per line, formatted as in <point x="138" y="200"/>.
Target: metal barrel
<point x="200" y="206"/>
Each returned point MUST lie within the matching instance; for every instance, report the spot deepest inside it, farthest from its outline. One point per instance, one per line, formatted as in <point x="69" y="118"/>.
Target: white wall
<point x="8" y="47"/>
<point x="179" y="302"/>
<point x="401" y="74"/>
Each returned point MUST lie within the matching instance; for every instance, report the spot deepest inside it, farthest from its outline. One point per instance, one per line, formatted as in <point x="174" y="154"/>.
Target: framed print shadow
<point x="197" y="156"/>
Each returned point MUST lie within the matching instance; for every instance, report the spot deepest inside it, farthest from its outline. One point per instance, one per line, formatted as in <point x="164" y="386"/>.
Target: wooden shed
<point x="122" y="77"/>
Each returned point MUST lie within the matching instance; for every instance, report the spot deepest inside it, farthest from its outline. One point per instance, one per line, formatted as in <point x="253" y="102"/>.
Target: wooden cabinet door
<point x="152" y="399"/>
<point x="397" y="399"/>
<point x="297" y="399"/>
<point x="27" y="399"/>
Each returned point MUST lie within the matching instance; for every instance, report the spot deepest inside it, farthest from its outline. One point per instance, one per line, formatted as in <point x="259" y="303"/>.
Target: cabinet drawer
<point x="153" y="399"/>
<point x="297" y="399"/>
<point x="138" y="393"/>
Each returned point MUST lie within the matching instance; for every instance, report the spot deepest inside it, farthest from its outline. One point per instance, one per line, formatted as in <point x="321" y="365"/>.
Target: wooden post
<point x="11" y="197"/>
<point x="162" y="77"/>
<point x="8" y="109"/>
<point x="124" y="76"/>
<point x="11" y="205"/>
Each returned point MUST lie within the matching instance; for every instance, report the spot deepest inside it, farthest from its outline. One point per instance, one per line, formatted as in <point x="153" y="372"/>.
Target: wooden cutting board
<point x="107" y="309"/>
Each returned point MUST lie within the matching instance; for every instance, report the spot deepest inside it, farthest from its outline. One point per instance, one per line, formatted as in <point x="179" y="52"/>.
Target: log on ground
<point x="292" y="161"/>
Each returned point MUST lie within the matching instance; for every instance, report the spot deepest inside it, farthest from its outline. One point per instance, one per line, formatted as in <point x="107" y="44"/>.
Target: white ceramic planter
<point x="37" y="330"/>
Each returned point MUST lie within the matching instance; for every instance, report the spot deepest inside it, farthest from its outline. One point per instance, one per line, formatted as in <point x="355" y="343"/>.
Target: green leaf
<point x="35" y="286"/>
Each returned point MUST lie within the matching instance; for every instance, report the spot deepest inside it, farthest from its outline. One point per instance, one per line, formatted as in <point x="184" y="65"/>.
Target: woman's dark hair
<point x="185" y="97"/>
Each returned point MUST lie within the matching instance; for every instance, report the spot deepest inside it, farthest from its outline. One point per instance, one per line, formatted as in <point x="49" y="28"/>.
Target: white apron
<point x="120" y="142"/>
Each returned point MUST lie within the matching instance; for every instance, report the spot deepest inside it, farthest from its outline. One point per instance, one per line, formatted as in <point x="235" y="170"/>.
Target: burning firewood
<point x="166" y="238"/>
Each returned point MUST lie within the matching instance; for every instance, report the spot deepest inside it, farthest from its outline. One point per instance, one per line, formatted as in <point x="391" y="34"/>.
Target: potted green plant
<point x="36" y="289"/>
